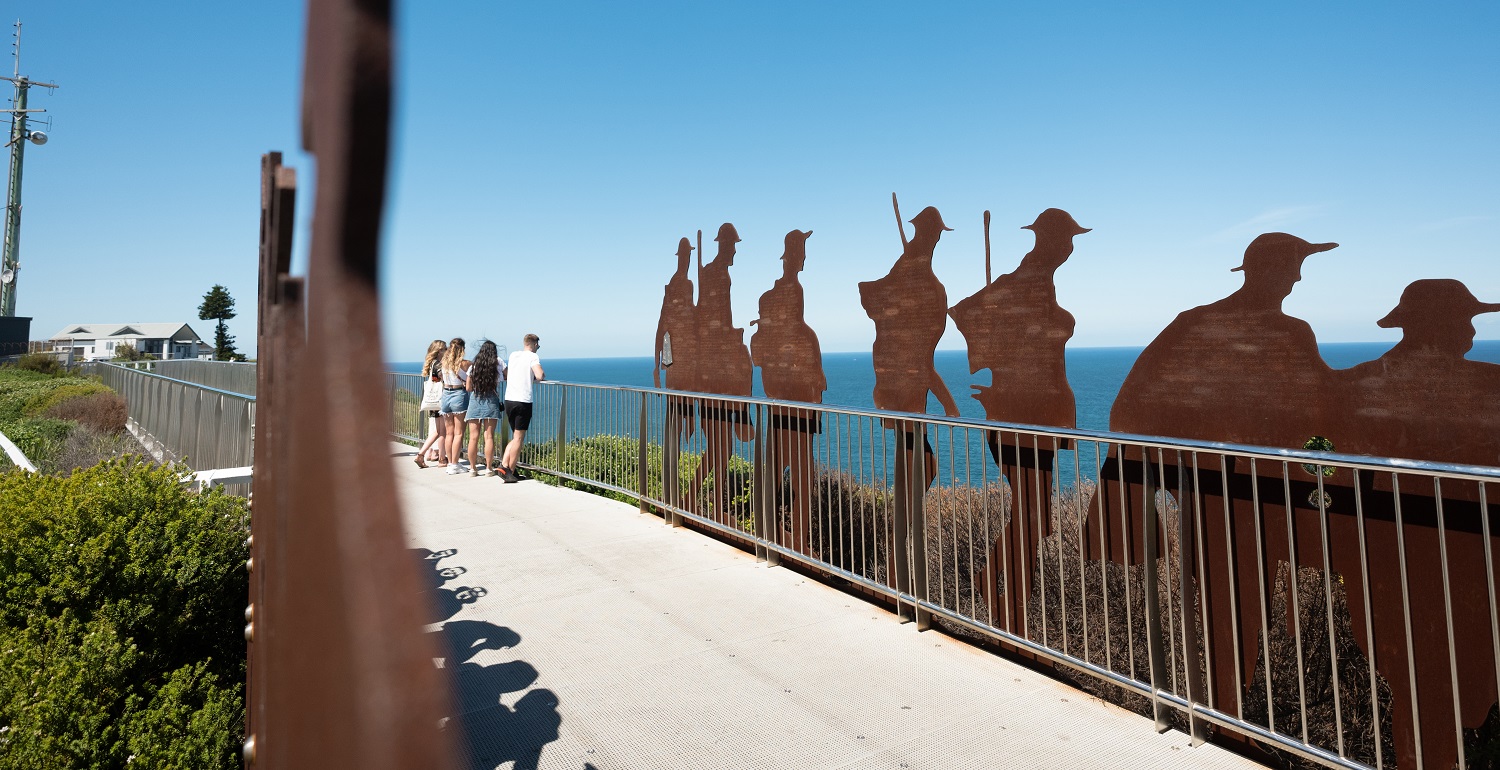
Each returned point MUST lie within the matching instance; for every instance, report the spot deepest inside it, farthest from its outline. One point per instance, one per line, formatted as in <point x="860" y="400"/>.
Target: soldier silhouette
<point x="677" y="354"/>
<point x="1015" y="328"/>
<point x="1237" y="370"/>
<point x="791" y="369"/>
<point x="723" y="367"/>
<point x="908" y="307"/>
<point x="677" y="332"/>
<point x="1423" y="400"/>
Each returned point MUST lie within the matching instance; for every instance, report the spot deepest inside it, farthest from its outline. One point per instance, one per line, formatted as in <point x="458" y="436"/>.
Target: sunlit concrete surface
<point x="588" y="635"/>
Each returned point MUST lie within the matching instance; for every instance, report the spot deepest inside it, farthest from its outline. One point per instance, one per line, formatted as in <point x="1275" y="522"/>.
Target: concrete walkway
<point x="587" y="635"/>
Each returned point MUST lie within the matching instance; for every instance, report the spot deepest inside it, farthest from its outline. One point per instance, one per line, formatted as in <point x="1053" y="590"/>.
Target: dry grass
<point x="1317" y="674"/>
<point x="87" y="446"/>
<point x="1096" y="610"/>
<point x="104" y="412"/>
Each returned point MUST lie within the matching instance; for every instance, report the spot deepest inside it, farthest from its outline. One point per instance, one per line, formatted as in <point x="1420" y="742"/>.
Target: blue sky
<point x="549" y="155"/>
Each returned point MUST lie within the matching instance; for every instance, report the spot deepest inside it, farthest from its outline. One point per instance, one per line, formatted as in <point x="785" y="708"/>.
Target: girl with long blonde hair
<point x="432" y="371"/>
<point x="455" y="373"/>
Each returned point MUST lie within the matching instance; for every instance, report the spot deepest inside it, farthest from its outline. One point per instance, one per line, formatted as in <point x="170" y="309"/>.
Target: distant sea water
<point x="1096" y="374"/>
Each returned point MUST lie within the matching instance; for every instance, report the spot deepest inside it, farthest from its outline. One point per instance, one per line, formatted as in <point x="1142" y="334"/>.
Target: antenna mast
<point x="19" y="135"/>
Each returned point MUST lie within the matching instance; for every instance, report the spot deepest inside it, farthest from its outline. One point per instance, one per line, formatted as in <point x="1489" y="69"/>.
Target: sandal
<point x="420" y="464"/>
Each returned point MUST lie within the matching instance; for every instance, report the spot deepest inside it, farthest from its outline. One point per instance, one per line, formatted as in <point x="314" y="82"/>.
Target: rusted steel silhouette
<point x="677" y="356"/>
<point x="907" y="306"/>
<point x="723" y="367"/>
<point x="1424" y="400"/>
<point x="1239" y="371"/>
<point x="791" y="369"/>
<point x="341" y="674"/>
<point x="1236" y="370"/>
<point x="676" y="329"/>
<point x="1015" y="328"/>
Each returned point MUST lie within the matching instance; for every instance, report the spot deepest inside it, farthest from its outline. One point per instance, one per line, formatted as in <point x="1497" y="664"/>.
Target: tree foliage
<point x="219" y="306"/>
<point x="127" y="352"/>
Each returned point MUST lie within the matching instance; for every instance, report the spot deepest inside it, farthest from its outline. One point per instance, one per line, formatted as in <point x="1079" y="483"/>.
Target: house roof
<point x="179" y="332"/>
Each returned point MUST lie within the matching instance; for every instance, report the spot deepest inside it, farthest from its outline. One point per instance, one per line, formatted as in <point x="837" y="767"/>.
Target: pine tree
<point x="218" y="305"/>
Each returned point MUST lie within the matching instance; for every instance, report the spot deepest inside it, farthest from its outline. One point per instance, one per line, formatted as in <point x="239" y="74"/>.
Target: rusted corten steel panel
<point x="1015" y="328"/>
<point x="1239" y="371"/>
<point x="341" y="672"/>
<point x="1242" y="371"/>
<point x="791" y="369"/>
<point x="723" y="365"/>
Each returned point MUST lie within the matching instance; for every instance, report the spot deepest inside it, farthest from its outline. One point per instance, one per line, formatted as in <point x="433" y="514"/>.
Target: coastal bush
<point x="61" y="391"/>
<point x="42" y="363"/>
<point x="120" y="629"/>
<point x="105" y="412"/>
<point x="614" y="460"/>
<point x="37" y="438"/>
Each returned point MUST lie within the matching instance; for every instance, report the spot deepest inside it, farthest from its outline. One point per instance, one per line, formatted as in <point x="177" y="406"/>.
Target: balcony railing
<point x="233" y="376"/>
<point x="177" y="419"/>
<point x="1339" y="609"/>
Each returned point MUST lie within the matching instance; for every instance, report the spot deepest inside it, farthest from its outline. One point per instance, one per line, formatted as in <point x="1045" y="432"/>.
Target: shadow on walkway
<point x="492" y="732"/>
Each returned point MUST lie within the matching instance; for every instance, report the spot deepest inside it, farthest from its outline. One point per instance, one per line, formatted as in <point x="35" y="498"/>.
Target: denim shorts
<point x="455" y="401"/>
<point x="484" y="407"/>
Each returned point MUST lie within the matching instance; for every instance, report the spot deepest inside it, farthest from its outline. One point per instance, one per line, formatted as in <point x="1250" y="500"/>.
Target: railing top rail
<point x="1360" y="462"/>
<point x="144" y="373"/>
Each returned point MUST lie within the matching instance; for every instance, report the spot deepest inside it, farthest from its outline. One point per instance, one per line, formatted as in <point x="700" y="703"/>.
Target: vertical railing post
<point x="644" y="472"/>
<point x="671" y="455"/>
<point x="918" y="520"/>
<point x="1154" y="645"/>
<point x="762" y="487"/>
<point x="562" y="430"/>
<point x="1191" y="651"/>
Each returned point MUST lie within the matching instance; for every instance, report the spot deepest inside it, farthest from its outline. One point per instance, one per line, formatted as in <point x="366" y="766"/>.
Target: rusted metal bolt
<point x="250" y="613"/>
<point x="249" y="632"/>
<point x="250" y="564"/>
<point x="248" y="751"/>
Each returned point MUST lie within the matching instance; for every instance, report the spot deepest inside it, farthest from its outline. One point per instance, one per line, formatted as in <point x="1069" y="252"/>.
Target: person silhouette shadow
<point x="514" y="734"/>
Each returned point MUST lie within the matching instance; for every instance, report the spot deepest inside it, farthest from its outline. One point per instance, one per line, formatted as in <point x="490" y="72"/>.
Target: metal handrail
<point x="1364" y="462"/>
<point x="1109" y="568"/>
<point x="176" y="419"/>
<point x="1156" y="532"/>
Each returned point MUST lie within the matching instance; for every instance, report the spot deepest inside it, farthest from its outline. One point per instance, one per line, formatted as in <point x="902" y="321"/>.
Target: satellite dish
<point x="38" y="138"/>
<point x="7" y="275"/>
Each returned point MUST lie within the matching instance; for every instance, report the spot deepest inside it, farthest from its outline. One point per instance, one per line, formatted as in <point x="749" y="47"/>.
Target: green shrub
<point x="121" y="611"/>
<point x="38" y="438"/>
<point x="39" y="403"/>
<point x="42" y="363"/>
<point x="28" y="394"/>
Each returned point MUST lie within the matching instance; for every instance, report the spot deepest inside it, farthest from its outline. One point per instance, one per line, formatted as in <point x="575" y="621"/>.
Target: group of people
<point x="457" y="390"/>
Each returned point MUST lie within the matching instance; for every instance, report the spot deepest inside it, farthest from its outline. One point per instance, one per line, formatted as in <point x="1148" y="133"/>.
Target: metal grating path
<point x="587" y="635"/>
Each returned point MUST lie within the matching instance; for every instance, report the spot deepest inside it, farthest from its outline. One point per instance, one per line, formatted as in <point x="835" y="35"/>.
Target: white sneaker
<point x="453" y="469"/>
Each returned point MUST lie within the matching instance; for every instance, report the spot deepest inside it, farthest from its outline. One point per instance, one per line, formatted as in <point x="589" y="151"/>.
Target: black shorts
<point x="519" y="414"/>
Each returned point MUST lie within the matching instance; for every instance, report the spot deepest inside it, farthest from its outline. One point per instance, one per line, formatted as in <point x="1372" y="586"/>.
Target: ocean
<point x="1095" y="374"/>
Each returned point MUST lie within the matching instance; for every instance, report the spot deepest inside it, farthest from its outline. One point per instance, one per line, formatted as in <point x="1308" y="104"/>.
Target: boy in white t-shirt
<point x="523" y="370"/>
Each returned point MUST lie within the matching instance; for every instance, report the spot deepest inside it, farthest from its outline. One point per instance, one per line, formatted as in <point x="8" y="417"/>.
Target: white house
<point x="94" y="342"/>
